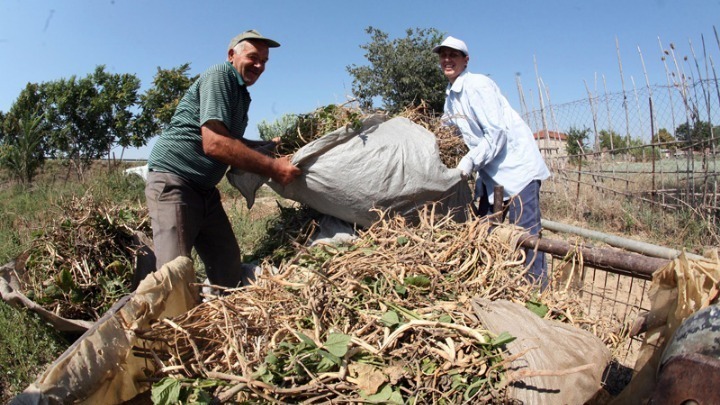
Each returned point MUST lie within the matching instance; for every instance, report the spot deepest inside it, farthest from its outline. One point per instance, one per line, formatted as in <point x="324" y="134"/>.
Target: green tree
<point x="86" y="117"/>
<point x="31" y="101"/>
<point x="698" y="134"/>
<point x="611" y="140"/>
<point x="90" y="115"/>
<point x="402" y="72"/>
<point x="21" y="155"/>
<point x="2" y="126"/>
<point x="159" y="102"/>
<point x="663" y="136"/>
<point x="117" y="96"/>
<point x="577" y="142"/>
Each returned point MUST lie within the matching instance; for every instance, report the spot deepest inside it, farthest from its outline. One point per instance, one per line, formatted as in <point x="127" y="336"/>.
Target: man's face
<point x="452" y="62"/>
<point x="250" y="61"/>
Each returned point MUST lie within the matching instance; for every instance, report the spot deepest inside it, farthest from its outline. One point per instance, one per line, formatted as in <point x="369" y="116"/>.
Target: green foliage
<point x="88" y="116"/>
<point x="171" y="391"/>
<point x="2" y="126"/>
<point x="89" y="113"/>
<point x="297" y="131"/>
<point x="401" y="72"/>
<point x="577" y="142"/>
<point x="663" y="135"/>
<point x="275" y="243"/>
<point x="279" y="128"/>
<point x="82" y="263"/>
<point x="159" y="102"/>
<point x="698" y="133"/>
<point x="611" y="140"/>
<point x="301" y="356"/>
<point x="502" y="339"/>
<point x="616" y="144"/>
<point x="386" y="395"/>
<point x="31" y="102"/>
<point x="27" y="344"/>
<point x="22" y="155"/>
<point x="537" y="307"/>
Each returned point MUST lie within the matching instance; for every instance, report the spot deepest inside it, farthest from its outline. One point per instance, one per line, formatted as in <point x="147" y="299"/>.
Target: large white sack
<point x="387" y="164"/>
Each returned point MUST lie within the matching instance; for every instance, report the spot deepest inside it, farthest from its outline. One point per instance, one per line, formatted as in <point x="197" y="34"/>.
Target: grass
<point x="27" y="345"/>
<point x="621" y="216"/>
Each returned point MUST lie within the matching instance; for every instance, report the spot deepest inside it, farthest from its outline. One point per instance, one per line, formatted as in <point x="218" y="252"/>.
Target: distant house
<point x="551" y="142"/>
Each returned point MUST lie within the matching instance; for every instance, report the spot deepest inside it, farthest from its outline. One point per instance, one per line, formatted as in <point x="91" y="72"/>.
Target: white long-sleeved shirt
<point x="502" y="148"/>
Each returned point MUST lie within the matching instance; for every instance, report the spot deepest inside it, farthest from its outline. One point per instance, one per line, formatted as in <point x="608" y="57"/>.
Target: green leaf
<point x="402" y="240"/>
<point x="271" y="358"/>
<point x="408" y="313"/>
<point x="418" y="281"/>
<point x="383" y="395"/>
<point x="396" y="398"/>
<point x="328" y="361"/>
<point x="428" y="366"/>
<point x="473" y="388"/>
<point x="65" y="280"/>
<point x="166" y="391"/>
<point x="502" y="339"/>
<point x="305" y="339"/>
<point x="445" y="319"/>
<point x="537" y="308"/>
<point x="400" y="289"/>
<point x="262" y="369"/>
<point x="458" y="380"/>
<point x="390" y="318"/>
<point x="199" y="397"/>
<point x="337" y="344"/>
<point x="208" y="383"/>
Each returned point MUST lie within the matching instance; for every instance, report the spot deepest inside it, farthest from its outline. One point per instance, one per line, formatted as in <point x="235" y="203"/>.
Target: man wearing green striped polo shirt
<point x="191" y="156"/>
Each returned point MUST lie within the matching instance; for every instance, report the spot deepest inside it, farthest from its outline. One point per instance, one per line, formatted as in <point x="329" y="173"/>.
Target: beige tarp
<point x="100" y="368"/>
<point x="678" y="290"/>
<point x="553" y="362"/>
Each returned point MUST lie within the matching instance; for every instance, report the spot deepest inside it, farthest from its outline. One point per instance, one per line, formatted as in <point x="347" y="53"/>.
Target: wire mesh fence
<point x="611" y="303"/>
<point x="657" y="145"/>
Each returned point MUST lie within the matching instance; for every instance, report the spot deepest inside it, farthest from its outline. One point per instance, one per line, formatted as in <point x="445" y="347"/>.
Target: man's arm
<point x="219" y="145"/>
<point x="492" y="126"/>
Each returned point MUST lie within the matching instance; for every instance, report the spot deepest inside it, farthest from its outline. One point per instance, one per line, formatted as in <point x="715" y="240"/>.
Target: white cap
<point x="454" y="43"/>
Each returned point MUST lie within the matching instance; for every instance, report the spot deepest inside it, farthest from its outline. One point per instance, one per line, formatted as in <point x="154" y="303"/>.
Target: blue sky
<point x="573" y="42"/>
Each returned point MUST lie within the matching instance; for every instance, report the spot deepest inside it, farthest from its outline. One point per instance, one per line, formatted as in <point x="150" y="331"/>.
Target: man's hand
<point x="284" y="171"/>
<point x="465" y="166"/>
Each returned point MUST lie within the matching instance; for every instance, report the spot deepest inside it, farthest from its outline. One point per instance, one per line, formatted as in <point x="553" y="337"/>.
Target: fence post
<point x="498" y="208"/>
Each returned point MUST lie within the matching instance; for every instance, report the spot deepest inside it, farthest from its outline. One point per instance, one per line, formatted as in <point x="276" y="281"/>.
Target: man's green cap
<point x="252" y="34"/>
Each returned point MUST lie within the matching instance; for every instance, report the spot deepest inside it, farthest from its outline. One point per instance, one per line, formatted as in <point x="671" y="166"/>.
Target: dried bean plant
<point x="387" y="319"/>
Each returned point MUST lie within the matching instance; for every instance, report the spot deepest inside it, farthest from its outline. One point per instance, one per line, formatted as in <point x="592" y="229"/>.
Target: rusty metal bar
<point x="608" y="259"/>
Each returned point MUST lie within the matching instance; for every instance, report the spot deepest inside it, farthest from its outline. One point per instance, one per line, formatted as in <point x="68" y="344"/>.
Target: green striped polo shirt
<point x="218" y="94"/>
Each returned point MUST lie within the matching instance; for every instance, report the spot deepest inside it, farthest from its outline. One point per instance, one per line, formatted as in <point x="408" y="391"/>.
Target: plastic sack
<point x="389" y="165"/>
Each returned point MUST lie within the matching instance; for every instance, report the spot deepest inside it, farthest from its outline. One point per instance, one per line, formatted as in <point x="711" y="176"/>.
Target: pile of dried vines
<point x="311" y="126"/>
<point x="386" y="319"/>
<point x="450" y="143"/>
<point x="81" y="264"/>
